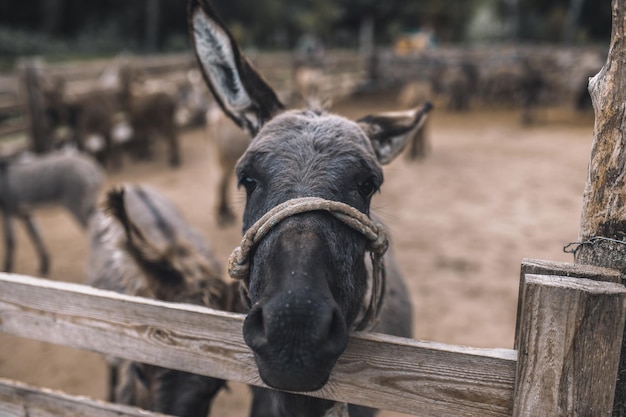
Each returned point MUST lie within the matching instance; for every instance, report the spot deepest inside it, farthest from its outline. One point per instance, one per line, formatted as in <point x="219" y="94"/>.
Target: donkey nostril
<point x="336" y="337"/>
<point x="337" y="325"/>
<point x="255" y="334"/>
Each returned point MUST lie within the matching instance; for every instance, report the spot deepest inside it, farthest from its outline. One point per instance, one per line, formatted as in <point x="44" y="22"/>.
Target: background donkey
<point x="230" y="143"/>
<point x="410" y="95"/>
<point x="143" y="246"/>
<point x="306" y="278"/>
<point x="88" y="122"/>
<point x="66" y="178"/>
<point x="151" y="115"/>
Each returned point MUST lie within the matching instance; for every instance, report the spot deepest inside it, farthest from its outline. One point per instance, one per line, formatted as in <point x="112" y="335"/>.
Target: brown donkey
<point x="309" y="177"/>
<point x="141" y="245"/>
<point x="151" y="115"/>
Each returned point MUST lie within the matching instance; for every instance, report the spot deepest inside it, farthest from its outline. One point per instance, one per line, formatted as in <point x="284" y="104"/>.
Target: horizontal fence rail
<point x="396" y="374"/>
<point x="21" y="400"/>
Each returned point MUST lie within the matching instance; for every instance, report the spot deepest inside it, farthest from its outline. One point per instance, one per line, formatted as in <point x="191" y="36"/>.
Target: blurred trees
<point x="106" y="26"/>
<point x="565" y="20"/>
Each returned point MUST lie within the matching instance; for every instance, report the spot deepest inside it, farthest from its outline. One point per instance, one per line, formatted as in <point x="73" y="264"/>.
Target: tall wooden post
<point x="603" y="219"/>
<point x="34" y="106"/>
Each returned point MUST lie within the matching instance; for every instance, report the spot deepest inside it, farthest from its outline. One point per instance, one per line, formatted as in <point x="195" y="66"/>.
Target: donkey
<point x="308" y="82"/>
<point x="230" y="143"/>
<point x="150" y="115"/>
<point x="309" y="177"/>
<point x="533" y="84"/>
<point x="411" y="94"/>
<point x="65" y="178"/>
<point x="141" y="245"/>
<point x="91" y="119"/>
<point x="458" y="84"/>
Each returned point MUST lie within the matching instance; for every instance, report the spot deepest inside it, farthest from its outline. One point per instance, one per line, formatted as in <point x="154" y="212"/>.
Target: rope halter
<point x="239" y="261"/>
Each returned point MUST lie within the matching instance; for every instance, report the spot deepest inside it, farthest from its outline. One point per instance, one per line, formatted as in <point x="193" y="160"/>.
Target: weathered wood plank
<point x="569" y="269"/>
<point x="10" y="105"/>
<point x="564" y="269"/>
<point x="21" y="400"/>
<point x="11" y="129"/>
<point x="9" y="84"/>
<point x="93" y="69"/>
<point x="396" y="374"/>
<point x="425" y="379"/>
<point x="569" y="347"/>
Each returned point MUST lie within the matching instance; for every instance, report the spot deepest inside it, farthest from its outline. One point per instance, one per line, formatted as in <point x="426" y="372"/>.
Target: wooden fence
<point x="343" y="73"/>
<point x="569" y="331"/>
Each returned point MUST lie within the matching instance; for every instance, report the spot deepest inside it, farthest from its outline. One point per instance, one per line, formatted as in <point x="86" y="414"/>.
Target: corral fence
<point x="564" y="362"/>
<point x="81" y="78"/>
<point x="564" y="70"/>
<point x="343" y="73"/>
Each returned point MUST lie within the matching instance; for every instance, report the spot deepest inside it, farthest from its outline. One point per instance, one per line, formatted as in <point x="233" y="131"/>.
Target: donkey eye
<point x="368" y="187"/>
<point x="248" y="183"/>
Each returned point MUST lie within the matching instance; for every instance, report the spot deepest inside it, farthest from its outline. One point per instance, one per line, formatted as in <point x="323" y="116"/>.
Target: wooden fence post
<point x="564" y="269"/>
<point x="568" y="346"/>
<point x="32" y="99"/>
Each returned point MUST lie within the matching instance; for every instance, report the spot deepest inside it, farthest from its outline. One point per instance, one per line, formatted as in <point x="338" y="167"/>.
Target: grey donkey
<point x="64" y="178"/>
<point x="141" y="245"/>
<point x="303" y="265"/>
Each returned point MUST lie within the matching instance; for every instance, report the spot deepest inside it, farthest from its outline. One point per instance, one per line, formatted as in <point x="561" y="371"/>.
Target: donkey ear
<point x="390" y="132"/>
<point x="116" y="205"/>
<point x="238" y="88"/>
<point x="160" y="275"/>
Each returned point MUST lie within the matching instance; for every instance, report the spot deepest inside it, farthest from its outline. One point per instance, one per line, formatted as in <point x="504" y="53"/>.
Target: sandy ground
<point x="490" y="194"/>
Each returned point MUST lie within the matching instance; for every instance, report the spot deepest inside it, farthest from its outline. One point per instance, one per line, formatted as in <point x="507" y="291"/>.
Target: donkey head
<point x="307" y="277"/>
<point x="173" y="268"/>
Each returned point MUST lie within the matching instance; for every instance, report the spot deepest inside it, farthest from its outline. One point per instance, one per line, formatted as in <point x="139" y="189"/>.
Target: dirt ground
<point x="490" y="194"/>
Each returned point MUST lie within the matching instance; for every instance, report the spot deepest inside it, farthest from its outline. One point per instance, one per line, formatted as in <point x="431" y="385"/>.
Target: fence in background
<point x="343" y="73"/>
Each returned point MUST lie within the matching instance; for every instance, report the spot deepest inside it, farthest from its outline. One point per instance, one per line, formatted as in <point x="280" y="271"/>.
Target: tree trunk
<point x="571" y="22"/>
<point x="51" y="16"/>
<point x="152" y="25"/>
<point x="513" y="19"/>
<point x="603" y="219"/>
<point x="366" y="37"/>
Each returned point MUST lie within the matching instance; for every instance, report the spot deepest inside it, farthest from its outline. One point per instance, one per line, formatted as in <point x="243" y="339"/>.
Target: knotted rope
<point x="239" y="261"/>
